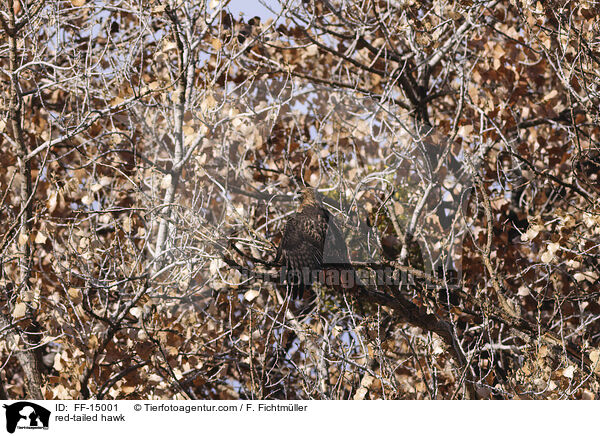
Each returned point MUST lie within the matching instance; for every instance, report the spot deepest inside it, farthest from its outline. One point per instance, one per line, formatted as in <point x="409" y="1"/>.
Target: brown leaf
<point x="19" y="310"/>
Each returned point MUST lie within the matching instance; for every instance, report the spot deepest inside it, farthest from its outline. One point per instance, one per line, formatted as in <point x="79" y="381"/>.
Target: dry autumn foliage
<point x="150" y="152"/>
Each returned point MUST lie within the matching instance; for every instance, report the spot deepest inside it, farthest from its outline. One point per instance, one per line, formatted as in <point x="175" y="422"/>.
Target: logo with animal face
<point x="26" y="415"/>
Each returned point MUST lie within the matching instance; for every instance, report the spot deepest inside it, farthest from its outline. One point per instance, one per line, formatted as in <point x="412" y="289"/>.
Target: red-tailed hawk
<point x="309" y="233"/>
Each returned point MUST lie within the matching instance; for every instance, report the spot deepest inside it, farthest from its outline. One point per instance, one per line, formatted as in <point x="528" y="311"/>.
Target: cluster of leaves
<point x="150" y="152"/>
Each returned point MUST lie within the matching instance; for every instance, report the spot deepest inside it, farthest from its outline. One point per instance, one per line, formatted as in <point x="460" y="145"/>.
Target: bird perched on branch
<point x="308" y="236"/>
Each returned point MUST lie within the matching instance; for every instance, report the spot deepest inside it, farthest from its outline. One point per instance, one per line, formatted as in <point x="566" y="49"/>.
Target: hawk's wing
<point x="335" y="249"/>
<point x="301" y="248"/>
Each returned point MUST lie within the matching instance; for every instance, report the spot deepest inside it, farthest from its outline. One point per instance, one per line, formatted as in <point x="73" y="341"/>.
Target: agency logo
<point x="26" y="415"/>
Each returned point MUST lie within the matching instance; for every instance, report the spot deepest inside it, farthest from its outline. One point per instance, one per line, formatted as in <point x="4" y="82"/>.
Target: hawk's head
<point x="308" y="197"/>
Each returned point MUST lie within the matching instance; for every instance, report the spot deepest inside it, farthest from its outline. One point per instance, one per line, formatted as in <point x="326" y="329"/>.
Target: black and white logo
<point x="26" y="415"/>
